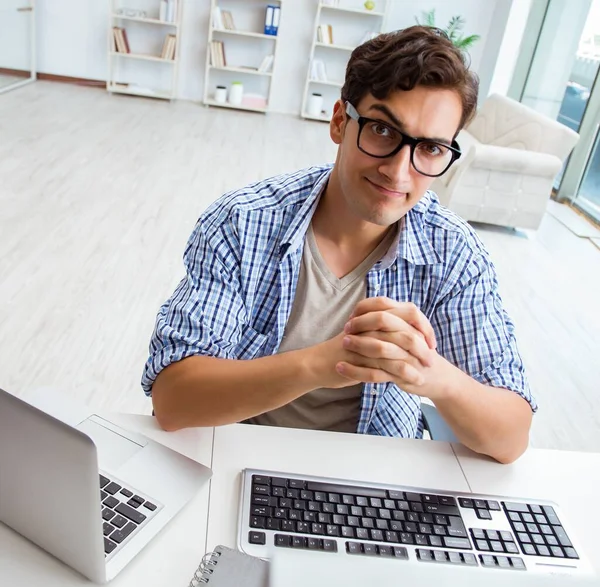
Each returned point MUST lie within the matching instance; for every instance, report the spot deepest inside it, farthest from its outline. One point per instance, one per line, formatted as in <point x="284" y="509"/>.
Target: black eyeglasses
<point x="378" y="139"/>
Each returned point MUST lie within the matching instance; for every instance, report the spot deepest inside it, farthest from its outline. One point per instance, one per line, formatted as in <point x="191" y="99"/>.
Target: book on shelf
<point x="318" y="71"/>
<point x="325" y="34"/>
<point x="120" y="41"/>
<point x="266" y="63"/>
<point x="227" y="18"/>
<point x="217" y="54"/>
<point x="168" y="10"/>
<point x="272" y="16"/>
<point x="217" y="19"/>
<point x="168" y="50"/>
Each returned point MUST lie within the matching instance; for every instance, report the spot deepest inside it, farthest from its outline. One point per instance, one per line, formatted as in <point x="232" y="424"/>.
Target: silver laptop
<point x="84" y="489"/>
<point x="290" y="568"/>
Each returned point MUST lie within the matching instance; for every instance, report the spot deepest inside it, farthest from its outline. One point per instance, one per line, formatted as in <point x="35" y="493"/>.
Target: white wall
<point x="72" y="40"/>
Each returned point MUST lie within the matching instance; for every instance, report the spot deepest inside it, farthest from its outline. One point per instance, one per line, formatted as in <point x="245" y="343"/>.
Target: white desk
<point x="169" y="559"/>
<point x="572" y="479"/>
<point x="347" y="456"/>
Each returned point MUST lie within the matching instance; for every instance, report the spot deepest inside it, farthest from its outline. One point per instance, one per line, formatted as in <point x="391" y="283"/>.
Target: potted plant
<point x="453" y="29"/>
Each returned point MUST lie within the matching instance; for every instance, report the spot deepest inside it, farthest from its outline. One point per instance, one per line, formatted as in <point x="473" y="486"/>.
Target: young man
<point x="336" y="297"/>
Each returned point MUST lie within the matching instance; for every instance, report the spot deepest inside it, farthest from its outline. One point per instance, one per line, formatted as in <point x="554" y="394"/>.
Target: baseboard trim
<point x="51" y="77"/>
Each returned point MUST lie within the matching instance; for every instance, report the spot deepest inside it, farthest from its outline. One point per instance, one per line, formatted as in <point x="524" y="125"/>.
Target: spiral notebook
<point x="226" y="567"/>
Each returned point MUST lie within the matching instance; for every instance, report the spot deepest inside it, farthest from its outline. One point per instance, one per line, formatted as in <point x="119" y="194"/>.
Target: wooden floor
<point x="99" y="193"/>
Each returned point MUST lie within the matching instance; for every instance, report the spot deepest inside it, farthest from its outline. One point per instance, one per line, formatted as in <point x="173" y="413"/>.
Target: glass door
<point x="17" y="43"/>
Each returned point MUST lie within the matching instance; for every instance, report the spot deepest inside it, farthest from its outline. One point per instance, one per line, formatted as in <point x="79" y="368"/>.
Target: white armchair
<point x="511" y="155"/>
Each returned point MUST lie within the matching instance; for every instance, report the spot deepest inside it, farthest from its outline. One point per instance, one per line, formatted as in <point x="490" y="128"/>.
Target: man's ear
<point x="337" y="126"/>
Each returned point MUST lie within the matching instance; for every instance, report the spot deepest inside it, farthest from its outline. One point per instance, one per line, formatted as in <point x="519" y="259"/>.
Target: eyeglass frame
<point x="407" y="139"/>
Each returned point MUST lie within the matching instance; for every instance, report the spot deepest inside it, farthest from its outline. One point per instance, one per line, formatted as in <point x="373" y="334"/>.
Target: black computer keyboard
<point x="123" y="512"/>
<point x="374" y="520"/>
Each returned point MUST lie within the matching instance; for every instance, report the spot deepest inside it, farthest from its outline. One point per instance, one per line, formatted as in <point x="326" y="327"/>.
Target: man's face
<point x="382" y="191"/>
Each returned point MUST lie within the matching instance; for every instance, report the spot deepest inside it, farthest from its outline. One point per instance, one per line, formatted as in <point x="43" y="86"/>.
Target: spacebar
<point x="347" y="489"/>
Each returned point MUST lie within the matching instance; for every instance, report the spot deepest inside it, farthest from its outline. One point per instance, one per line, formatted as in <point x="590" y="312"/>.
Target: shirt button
<point x="394" y="267"/>
<point x="373" y="392"/>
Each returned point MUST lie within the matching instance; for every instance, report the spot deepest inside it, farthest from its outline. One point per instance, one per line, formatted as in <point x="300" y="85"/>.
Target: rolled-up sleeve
<point x="205" y="314"/>
<point x="474" y="331"/>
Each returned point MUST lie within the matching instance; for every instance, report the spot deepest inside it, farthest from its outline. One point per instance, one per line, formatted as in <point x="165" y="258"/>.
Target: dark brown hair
<point x="401" y="60"/>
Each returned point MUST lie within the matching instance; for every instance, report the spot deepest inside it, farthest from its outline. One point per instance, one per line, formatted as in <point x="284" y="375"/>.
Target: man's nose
<point x="398" y="167"/>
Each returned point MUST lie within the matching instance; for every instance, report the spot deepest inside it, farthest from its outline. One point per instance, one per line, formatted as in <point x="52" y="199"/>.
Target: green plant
<point x="453" y="29"/>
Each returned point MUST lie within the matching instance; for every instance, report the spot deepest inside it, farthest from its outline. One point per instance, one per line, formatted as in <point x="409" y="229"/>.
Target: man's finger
<point x="373" y="305"/>
<point x="390" y="346"/>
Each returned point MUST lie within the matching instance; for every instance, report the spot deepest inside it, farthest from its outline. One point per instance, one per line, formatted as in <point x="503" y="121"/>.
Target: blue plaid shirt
<point x="243" y="260"/>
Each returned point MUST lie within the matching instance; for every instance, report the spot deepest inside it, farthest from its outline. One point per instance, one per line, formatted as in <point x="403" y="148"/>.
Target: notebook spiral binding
<point x="204" y="570"/>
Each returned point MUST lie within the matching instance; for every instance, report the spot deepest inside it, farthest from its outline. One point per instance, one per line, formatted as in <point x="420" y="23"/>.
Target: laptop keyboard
<point x="123" y="512"/>
<point x="400" y="523"/>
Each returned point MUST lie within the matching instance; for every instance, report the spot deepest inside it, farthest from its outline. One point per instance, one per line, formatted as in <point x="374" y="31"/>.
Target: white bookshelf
<point x="245" y="47"/>
<point x="143" y="72"/>
<point x="350" y="22"/>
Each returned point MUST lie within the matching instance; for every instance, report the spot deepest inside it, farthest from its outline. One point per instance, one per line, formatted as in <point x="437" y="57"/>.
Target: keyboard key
<point x="389" y="504"/>
<point x="257" y="537"/>
<point x="557" y="551"/>
<point x="298" y="542"/>
<point x="319" y="496"/>
<point x="493" y="505"/>
<point x="529" y="549"/>
<point x="295" y="494"/>
<point x="353" y="521"/>
<point x="400" y="552"/>
<point x="104" y="481"/>
<point x="119" y="535"/>
<point x="438" y="519"/>
<point x="487" y="560"/>
<point x="396" y="526"/>
<point x="449" y="510"/>
<point x="482" y="545"/>
<point x="496" y="546"/>
<point x="456" y="527"/>
<point x="130" y="513"/>
<point x="492" y="535"/>
<point x="109" y="546"/>
<point x="309" y="516"/>
<point x="562" y="536"/>
<point x="375" y="535"/>
<point x="506" y="536"/>
<point x="483" y="514"/>
<point x="540" y="518"/>
<point x="524" y="537"/>
<point x="516" y="507"/>
<point x="447" y="500"/>
<point x="435" y="541"/>
<point x="363" y="533"/>
<point x="527" y="518"/>
<point x="301" y="527"/>
<point x="551" y="515"/>
<point x="413" y="497"/>
<point x="396" y="495"/>
<point x="391" y="536"/>
<point x="278" y="482"/>
<point x="538" y="539"/>
<point x="455" y="557"/>
<point x="469" y="559"/>
<point x="439" y="530"/>
<point x="480" y="504"/>
<point x="287" y="503"/>
<point x="403" y="506"/>
<point x="317" y="528"/>
<point x="370" y="549"/>
<point x="328" y="508"/>
<point x="511" y="548"/>
<point x="424" y="554"/>
<point x="503" y="562"/>
<point x="261" y="490"/>
<point x="356" y="510"/>
<point x="314" y="543"/>
<point x="425" y="529"/>
<point x="421" y="540"/>
<point x="280" y="513"/>
<point x="256" y="521"/>
<point x="430" y="498"/>
<point x="348" y="532"/>
<point x="545" y="529"/>
<point x="466" y="502"/>
<point x="536" y="509"/>
<point x="514" y="516"/>
<point x="406" y="538"/>
<point x="413" y="517"/>
<point x="110" y="501"/>
<point x="297" y="484"/>
<point x="519" y="527"/>
<point x="367" y="522"/>
<point x="385" y="550"/>
<point x="103" y="495"/>
<point x="126" y="492"/>
<point x="107" y="514"/>
<point x="342" y="509"/>
<point x="107" y="528"/>
<point x="282" y="540"/>
<point x="517" y="563"/>
<point x="348" y="499"/>
<point x="385" y="514"/>
<point x="571" y="552"/>
<point x="118" y="521"/>
<point x="410" y="527"/>
<point x="440" y="556"/>
<point x="543" y="550"/>
<point x="376" y="502"/>
<point x="133" y="503"/>
<point x="149" y="505"/>
<point x="478" y="534"/>
<point x="261" y="480"/>
<point x="329" y="545"/>
<point x="321" y="518"/>
<point x="353" y="548"/>
<point x="112" y="488"/>
<point x="332" y="530"/>
<point x="552" y="540"/>
<point x="450" y="542"/>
